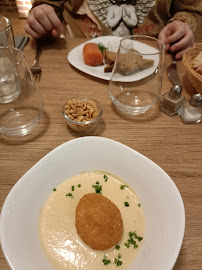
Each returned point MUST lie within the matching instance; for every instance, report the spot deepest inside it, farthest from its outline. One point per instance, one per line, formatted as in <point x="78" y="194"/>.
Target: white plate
<point x="75" y="58"/>
<point x="160" y="199"/>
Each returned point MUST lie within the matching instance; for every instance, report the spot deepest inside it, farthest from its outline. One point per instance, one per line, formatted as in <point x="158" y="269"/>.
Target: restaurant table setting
<point x="62" y="118"/>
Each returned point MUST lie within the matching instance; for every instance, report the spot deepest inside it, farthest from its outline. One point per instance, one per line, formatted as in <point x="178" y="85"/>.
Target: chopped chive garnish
<point x="54" y="189"/>
<point x="137" y="237"/>
<point x="105" y="177"/>
<point x="72" y="188"/>
<point x="126" y="203"/>
<point x="117" y="247"/>
<point x="105" y="261"/>
<point x="117" y="262"/>
<point x="123" y="186"/>
<point x="79" y="185"/>
<point x="98" y="188"/>
<point x="131" y="240"/>
<point x="69" y="195"/>
<point x="97" y="182"/>
<point x="139" y="205"/>
<point x="119" y="256"/>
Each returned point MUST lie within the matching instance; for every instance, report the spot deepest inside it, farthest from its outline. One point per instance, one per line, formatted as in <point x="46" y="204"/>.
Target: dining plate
<point x="160" y="199"/>
<point x="75" y="58"/>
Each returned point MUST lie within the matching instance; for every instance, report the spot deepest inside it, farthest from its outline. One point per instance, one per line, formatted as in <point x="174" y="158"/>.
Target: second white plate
<point x="75" y="58"/>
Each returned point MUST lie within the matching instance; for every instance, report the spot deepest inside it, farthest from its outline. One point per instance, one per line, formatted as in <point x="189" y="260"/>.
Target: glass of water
<point x="6" y="32"/>
<point x="21" y="104"/>
<point x="135" y="84"/>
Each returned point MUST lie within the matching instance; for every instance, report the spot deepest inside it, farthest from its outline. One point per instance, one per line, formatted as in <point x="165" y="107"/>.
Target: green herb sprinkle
<point x="123" y="186"/>
<point x="117" y="262"/>
<point x="126" y="204"/>
<point x="117" y="247"/>
<point x="105" y="260"/>
<point x="98" y="188"/>
<point x="69" y="195"/>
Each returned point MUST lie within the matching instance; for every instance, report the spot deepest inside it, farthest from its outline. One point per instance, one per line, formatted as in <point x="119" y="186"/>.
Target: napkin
<point x="20" y="42"/>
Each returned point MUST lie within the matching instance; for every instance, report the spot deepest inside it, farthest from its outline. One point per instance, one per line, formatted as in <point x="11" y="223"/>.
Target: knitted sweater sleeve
<point x="189" y="11"/>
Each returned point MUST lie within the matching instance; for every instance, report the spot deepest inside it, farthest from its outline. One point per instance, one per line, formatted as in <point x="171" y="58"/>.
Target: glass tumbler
<point x="135" y="84"/>
<point x="21" y="104"/>
<point x="6" y="32"/>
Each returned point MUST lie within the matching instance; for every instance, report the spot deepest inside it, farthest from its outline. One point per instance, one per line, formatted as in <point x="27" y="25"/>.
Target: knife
<point x="172" y="73"/>
<point x="20" y="42"/>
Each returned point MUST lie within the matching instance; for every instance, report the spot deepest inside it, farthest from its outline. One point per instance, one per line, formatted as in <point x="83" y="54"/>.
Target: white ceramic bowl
<point x="160" y="199"/>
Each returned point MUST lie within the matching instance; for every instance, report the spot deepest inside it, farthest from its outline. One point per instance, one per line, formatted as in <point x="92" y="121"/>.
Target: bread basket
<point x="194" y="77"/>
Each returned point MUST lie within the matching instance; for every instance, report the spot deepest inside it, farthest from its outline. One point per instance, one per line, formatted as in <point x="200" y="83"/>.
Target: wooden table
<point x="174" y="146"/>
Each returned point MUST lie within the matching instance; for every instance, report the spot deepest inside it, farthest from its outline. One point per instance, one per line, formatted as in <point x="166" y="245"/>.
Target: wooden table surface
<point x="174" y="146"/>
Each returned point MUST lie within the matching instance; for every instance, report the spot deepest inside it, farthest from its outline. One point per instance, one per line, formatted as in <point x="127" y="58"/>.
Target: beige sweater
<point x="91" y="18"/>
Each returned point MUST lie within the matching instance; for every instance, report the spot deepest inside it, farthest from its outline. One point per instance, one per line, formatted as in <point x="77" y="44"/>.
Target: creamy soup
<point x="58" y="234"/>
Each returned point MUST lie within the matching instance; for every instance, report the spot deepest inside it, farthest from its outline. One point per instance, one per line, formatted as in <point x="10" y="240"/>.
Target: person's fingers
<point x="176" y="35"/>
<point x="167" y="47"/>
<point x="54" y="32"/>
<point x="53" y="18"/>
<point x="36" y="26"/>
<point x="179" y="54"/>
<point x="31" y="32"/>
<point x="42" y="18"/>
<point x="186" y="41"/>
<point x="165" y="32"/>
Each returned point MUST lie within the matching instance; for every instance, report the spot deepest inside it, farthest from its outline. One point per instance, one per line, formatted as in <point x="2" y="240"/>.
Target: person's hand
<point x="42" y="21"/>
<point x="177" y="37"/>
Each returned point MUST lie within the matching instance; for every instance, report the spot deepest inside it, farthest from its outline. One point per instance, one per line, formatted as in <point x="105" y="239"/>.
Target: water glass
<point x="135" y="84"/>
<point x="6" y="32"/>
<point x="21" y="104"/>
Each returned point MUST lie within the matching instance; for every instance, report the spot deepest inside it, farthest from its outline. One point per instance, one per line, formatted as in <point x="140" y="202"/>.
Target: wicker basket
<point x="194" y="77"/>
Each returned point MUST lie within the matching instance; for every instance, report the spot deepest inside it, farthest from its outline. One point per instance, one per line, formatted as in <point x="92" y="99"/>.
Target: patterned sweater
<point x="91" y="18"/>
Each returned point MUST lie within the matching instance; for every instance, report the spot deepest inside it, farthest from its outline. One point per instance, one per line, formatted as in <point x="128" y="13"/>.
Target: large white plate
<point x="75" y="58"/>
<point x="160" y="199"/>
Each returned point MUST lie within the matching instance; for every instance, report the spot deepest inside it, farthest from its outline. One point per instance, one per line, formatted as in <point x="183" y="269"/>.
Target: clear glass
<point x="21" y="104"/>
<point x="6" y="32"/>
<point x="189" y="114"/>
<point x="135" y="84"/>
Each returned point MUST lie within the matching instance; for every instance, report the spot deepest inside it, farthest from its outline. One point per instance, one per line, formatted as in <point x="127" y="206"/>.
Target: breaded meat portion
<point x="98" y="221"/>
<point x="128" y="62"/>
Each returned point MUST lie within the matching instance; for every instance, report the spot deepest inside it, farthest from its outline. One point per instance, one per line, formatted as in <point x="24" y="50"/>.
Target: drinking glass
<point x="135" y="84"/>
<point x="21" y="104"/>
<point x="6" y="32"/>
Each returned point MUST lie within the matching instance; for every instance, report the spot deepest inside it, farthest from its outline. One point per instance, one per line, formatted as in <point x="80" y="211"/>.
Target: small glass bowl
<point x="83" y="127"/>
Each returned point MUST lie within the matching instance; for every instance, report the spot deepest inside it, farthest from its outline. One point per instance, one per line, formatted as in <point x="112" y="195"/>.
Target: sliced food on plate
<point x="96" y="54"/>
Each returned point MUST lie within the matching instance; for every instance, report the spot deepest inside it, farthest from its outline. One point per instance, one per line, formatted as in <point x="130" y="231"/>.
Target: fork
<point x="36" y="69"/>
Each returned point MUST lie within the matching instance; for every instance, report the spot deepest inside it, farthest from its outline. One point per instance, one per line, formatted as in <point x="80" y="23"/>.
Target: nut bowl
<point x="82" y="114"/>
